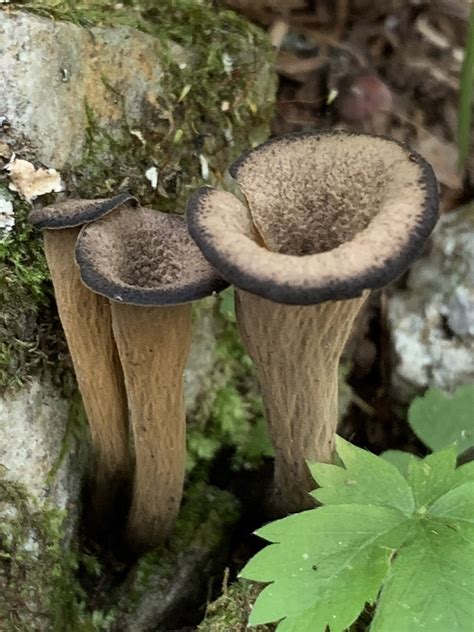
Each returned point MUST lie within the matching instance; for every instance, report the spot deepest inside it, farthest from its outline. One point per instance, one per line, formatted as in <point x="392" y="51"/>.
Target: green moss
<point x="29" y="338"/>
<point x="209" y="110"/>
<point x="212" y="106"/>
<point x="202" y="534"/>
<point x="231" y="611"/>
<point x="233" y="417"/>
<point x="38" y="590"/>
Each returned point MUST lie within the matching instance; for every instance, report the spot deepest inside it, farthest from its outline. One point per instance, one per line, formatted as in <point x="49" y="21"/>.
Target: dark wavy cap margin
<point x="225" y="230"/>
<point x="146" y="258"/>
<point x="73" y="213"/>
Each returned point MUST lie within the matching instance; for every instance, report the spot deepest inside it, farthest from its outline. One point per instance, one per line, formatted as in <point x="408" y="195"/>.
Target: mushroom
<point x="330" y="217"/>
<point x="147" y="265"/>
<point x="86" y="321"/>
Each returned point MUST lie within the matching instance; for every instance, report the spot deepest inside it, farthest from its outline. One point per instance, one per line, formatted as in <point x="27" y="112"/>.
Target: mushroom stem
<point x="86" y="321"/>
<point x="153" y="345"/>
<point x="296" y="350"/>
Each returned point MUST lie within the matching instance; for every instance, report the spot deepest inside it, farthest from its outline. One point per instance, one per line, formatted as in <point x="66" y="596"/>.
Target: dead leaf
<point x="443" y="157"/>
<point x="30" y="182"/>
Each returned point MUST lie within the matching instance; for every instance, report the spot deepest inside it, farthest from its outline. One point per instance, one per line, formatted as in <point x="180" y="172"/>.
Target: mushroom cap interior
<point x="329" y="215"/>
<point x="144" y="257"/>
<point x="72" y="213"/>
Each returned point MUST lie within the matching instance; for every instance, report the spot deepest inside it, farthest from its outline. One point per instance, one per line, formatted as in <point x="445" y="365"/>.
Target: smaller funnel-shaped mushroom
<point x="147" y="265"/>
<point x="86" y="321"/>
<point x="330" y="216"/>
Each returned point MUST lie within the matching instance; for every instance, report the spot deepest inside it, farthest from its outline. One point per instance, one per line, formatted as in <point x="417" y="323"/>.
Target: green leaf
<point x="226" y="304"/>
<point x="339" y="553"/>
<point x="441" y="420"/>
<point x="365" y="479"/>
<point x="457" y="505"/>
<point x="431" y="584"/>
<point x="464" y="474"/>
<point x="466" y="94"/>
<point x="400" y="459"/>
<point x="405" y="544"/>
<point x="432" y="476"/>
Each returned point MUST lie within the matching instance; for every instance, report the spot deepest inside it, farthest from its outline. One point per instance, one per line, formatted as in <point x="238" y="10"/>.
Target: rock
<point x="432" y="319"/>
<point x="38" y="590"/>
<point x="38" y="448"/>
<point x="105" y="96"/>
<point x="165" y="586"/>
<point x="231" y="611"/>
<point x="202" y="354"/>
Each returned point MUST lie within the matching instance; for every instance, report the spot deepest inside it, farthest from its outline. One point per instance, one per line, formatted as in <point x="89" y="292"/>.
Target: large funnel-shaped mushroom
<point x="330" y="216"/>
<point x="147" y="265"/>
<point x="86" y="321"/>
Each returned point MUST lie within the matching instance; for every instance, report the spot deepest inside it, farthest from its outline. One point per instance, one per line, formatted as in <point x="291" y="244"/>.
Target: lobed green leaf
<point x="365" y="479"/>
<point x="441" y="420"/>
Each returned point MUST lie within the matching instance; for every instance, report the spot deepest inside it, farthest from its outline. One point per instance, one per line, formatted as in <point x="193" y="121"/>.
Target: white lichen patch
<point x="31" y="182"/>
<point x="7" y="218"/>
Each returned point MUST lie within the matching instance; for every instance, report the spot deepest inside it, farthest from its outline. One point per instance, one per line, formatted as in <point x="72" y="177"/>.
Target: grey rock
<point x="163" y="587"/>
<point x="432" y="320"/>
<point x="202" y="355"/>
<point x="37" y="450"/>
<point x="49" y="68"/>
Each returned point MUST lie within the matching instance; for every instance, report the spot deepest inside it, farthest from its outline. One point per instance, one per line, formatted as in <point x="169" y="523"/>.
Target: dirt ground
<point x="389" y="67"/>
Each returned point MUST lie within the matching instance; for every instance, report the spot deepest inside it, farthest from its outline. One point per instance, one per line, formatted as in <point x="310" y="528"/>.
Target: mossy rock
<point x="104" y="94"/>
<point x="168" y="584"/>
<point x="231" y="611"/>
<point x="38" y="590"/>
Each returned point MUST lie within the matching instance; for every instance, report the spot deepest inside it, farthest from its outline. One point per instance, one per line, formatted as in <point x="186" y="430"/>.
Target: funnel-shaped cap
<point x="144" y="257"/>
<point x="72" y="213"/>
<point x="329" y="215"/>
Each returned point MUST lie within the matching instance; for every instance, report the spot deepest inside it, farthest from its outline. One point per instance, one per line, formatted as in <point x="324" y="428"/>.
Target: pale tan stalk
<point x="153" y="344"/>
<point x="296" y="350"/>
<point x="86" y="321"/>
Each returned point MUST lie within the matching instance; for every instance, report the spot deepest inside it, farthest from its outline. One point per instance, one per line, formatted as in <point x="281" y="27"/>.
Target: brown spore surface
<point x="144" y="257"/>
<point x="328" y="215"/>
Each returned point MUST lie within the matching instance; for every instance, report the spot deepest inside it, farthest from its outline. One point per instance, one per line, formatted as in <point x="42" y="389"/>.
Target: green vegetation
<point x="29" y="326"/>
<point x="235" y="416"/>
<point x="440" y="420"/>
<point x="216" y="101"/>
<point x="403" y="543"/>
<point x="466" y="95"/>
<point x="38" y="590"/>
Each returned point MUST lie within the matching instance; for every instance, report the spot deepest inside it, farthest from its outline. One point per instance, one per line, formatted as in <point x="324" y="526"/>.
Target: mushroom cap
<point x="330" y="214"/>
<point x="144" y="257"/>
<point x="72" y="213"/>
